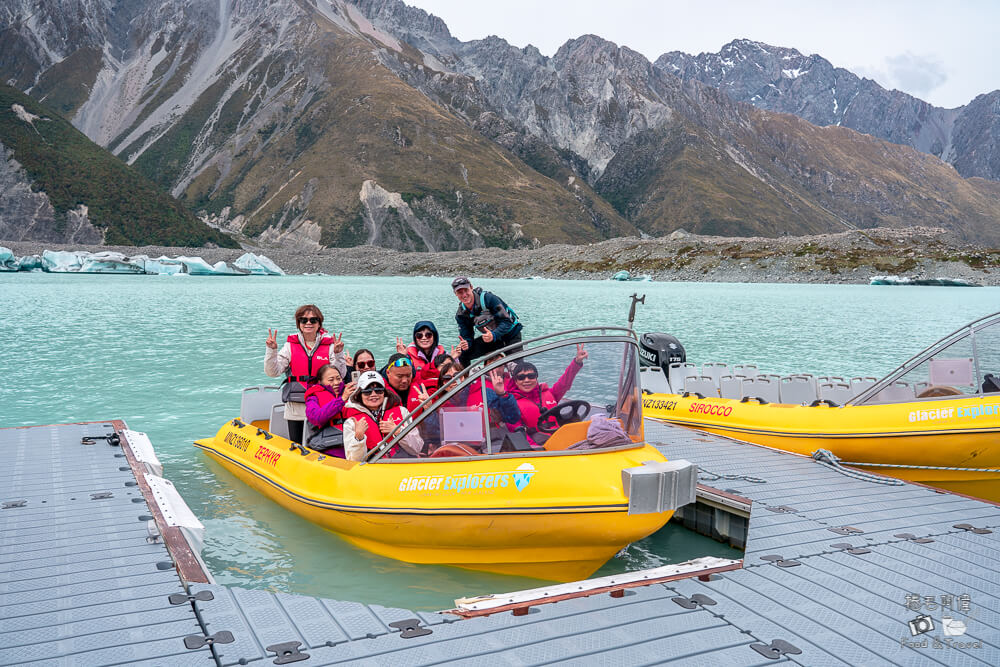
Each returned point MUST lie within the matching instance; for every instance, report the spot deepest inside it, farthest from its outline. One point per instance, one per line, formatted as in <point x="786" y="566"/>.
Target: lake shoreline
<point x="851" y="257"/>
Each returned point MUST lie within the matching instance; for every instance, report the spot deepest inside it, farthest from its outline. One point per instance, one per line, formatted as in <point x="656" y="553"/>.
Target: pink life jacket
<point x="324" y="396"/>
<point x="303" y="365"/>
<point x="533" y="404"/>
<point x="417" y="357"/>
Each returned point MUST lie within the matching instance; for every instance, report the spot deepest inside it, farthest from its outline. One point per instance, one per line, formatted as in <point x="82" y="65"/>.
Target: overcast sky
<point x="942" y="52"/>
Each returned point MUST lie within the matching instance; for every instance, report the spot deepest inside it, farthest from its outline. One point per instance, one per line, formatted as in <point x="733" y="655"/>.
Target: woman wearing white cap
<point x="371" y="413"/>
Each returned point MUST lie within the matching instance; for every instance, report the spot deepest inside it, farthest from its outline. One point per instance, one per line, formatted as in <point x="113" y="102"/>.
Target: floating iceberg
<point x="52" y="261"/>
<point x="625" y="276"/>
<point x="258" y="265"/>
<point x="921" y="282"/>
<point x="622" y="275"/>
<point x="7" y="260"/>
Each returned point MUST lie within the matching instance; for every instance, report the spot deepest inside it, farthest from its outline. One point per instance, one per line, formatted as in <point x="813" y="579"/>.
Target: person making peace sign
<point x="299" y="358"/>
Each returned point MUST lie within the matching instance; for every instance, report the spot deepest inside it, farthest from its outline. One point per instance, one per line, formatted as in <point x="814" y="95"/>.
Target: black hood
<point x="422" y="324"/>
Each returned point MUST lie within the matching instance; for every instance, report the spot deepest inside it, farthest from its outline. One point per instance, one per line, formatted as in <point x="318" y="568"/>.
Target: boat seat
<point x="897" y="392"/>
<point x="797" y="390"/>
<point x="761" y="387"/>
<point x="860" y="384"/>
<point x="701" y="384"/>
<point x="653" y="380"/>
<point x="731" y="386"/>
<point x="838" y="392"/>
<point x="715" y="371"/>
<point x="677" y="372"/>
<point x="276" y="423"/>
<point x="256" y="403"/>
<point x="830" y="379"/>
<point x="746" y="370"/>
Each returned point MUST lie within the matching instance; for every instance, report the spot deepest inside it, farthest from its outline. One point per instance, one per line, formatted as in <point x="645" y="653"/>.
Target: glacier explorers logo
<point x="520" y="477"/>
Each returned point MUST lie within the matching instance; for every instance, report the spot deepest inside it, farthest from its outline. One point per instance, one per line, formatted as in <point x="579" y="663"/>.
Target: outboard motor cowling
<point x="660" y="349"/>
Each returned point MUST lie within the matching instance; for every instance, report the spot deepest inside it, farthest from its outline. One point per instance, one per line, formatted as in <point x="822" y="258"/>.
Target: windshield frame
<point x="479" y="370"/>
<point x="967" y="330"/>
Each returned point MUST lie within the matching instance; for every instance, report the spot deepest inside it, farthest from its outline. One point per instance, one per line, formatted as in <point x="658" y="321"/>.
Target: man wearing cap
<point x="486" y="313"/>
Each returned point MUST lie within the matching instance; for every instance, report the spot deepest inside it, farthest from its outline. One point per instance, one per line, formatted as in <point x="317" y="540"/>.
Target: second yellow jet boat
<point x="934" y="420"/>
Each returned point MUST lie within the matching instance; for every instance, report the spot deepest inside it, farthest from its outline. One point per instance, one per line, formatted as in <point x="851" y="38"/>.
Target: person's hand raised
<point x="349" y="389"/>
<point x="386" y="425"/>
<point x="338" y="343"/>
<point x="581" y="354"/>
<point x="272" y="339"/>
<point x="360" y="428"/>
<point x="422" y="393"/>
<point x="400" y="346"/>
<point x="463" y="344"/>
<point x="496" y="377"/>
<point x="488" y="336"/>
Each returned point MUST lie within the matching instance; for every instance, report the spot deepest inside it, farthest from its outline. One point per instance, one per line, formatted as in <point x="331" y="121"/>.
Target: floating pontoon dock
<point x="99" y="565"/>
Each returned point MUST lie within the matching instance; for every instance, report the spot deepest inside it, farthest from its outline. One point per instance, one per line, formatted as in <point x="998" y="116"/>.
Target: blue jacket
<point x="504" y="317"/>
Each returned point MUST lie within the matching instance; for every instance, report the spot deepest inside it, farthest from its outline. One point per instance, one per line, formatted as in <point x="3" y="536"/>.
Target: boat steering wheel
<point x="566" y="412"/>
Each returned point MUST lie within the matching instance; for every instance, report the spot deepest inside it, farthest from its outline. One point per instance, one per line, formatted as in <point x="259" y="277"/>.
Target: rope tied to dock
<point x="916" y="467"/>
<point x="830" y="460"/>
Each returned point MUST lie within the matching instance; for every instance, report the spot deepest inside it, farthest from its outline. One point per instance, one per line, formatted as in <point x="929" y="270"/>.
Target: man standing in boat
<point x="486" y="313"/>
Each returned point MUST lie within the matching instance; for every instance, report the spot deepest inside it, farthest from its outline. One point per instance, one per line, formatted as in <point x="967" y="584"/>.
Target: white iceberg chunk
<point x="7" y="260"/>
<point x="258" y="265"/>
<point x="60" y="261"/>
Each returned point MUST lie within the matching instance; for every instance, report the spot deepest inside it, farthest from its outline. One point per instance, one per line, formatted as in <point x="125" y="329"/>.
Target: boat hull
<point x="918" y="436"/>
<point x="559" y="519"/>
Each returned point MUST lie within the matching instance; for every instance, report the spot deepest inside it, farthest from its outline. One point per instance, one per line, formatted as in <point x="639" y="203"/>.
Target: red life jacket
<point x="324" y="396"/>
<point x="373" y="436"/>
<point x="417" y="357"/>
<point x="304" y="364"/>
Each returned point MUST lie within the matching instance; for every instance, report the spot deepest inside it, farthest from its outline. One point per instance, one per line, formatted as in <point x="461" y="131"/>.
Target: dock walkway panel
<point x="826" y="580"/>
<point x="79" y="582"/>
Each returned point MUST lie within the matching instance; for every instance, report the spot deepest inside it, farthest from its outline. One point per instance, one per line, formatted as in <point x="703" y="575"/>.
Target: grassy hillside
<point x="72" y="170"/>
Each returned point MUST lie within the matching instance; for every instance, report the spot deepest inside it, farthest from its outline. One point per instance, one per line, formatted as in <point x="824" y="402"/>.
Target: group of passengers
<point x="352" y="406"/>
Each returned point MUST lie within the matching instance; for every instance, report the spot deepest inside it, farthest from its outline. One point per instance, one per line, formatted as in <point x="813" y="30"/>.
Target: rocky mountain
<point x="309" y="123"/>
<point x="279" y="122"/>
<point x="809" y="86"/>
<point x="57" y="186"/>
<point x="670" y="152"/>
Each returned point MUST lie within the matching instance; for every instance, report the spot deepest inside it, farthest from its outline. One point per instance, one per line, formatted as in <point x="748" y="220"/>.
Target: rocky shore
<point x="849" y="257"/>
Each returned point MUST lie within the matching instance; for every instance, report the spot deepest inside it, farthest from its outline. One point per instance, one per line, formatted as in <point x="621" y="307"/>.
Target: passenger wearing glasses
<point x="398" y="373"/>
<point x="299" y="359"/>
<point x="425" y="346"/>
<point x="534" y="398"/>
<point x="363" y="361"/>
<point x="371" y="413"/>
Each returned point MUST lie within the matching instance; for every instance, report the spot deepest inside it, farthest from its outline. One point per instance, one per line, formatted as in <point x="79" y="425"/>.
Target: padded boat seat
<point x="860" y="384"/>
<point x="715" y="371"/>
<point x="256" y="403"/>
<point x="838" y="392"/>
<point x="277" y="424"/>
<point x="746" y="370"/>
<point x="897" y="392"/>
<point x="761" y="387"/>
<point x="653" y="380"/>
<point x="731" y="386"/>
<point x="677" y="372"/>
<point x="797" y="390"/>
<point x="702" y="384"/>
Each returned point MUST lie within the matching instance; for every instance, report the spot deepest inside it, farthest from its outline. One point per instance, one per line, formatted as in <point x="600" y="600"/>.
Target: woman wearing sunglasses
<point x="424" y="348"/>
<point x="299" y="359"/>
<point x="534" y="397"/>
<point x="371" y="413"/>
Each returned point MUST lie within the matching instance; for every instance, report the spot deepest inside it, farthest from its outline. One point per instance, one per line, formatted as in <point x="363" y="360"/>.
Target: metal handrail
<point x="922" y="356"/>
<point x="432" y="403"/>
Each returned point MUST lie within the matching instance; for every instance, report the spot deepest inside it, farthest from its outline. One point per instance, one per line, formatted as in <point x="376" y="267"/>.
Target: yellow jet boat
<point x="934" y="420"/>
<point x="484" y="499"/>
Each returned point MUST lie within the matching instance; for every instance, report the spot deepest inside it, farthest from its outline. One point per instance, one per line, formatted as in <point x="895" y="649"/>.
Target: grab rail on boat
<point x="479" y="370"/>
<point x="969" y="329"/>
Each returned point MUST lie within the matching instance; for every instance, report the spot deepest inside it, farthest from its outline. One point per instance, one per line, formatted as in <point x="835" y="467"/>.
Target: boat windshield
<point x="579" y="393"/>
<point x="963" y="364"/>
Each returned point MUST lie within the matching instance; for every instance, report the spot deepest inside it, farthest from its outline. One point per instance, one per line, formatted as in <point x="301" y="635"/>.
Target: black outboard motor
<point x="660" y="349"/>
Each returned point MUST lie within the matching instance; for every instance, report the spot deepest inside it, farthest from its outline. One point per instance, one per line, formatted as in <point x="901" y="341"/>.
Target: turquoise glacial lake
<point x="169" y="355"/>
